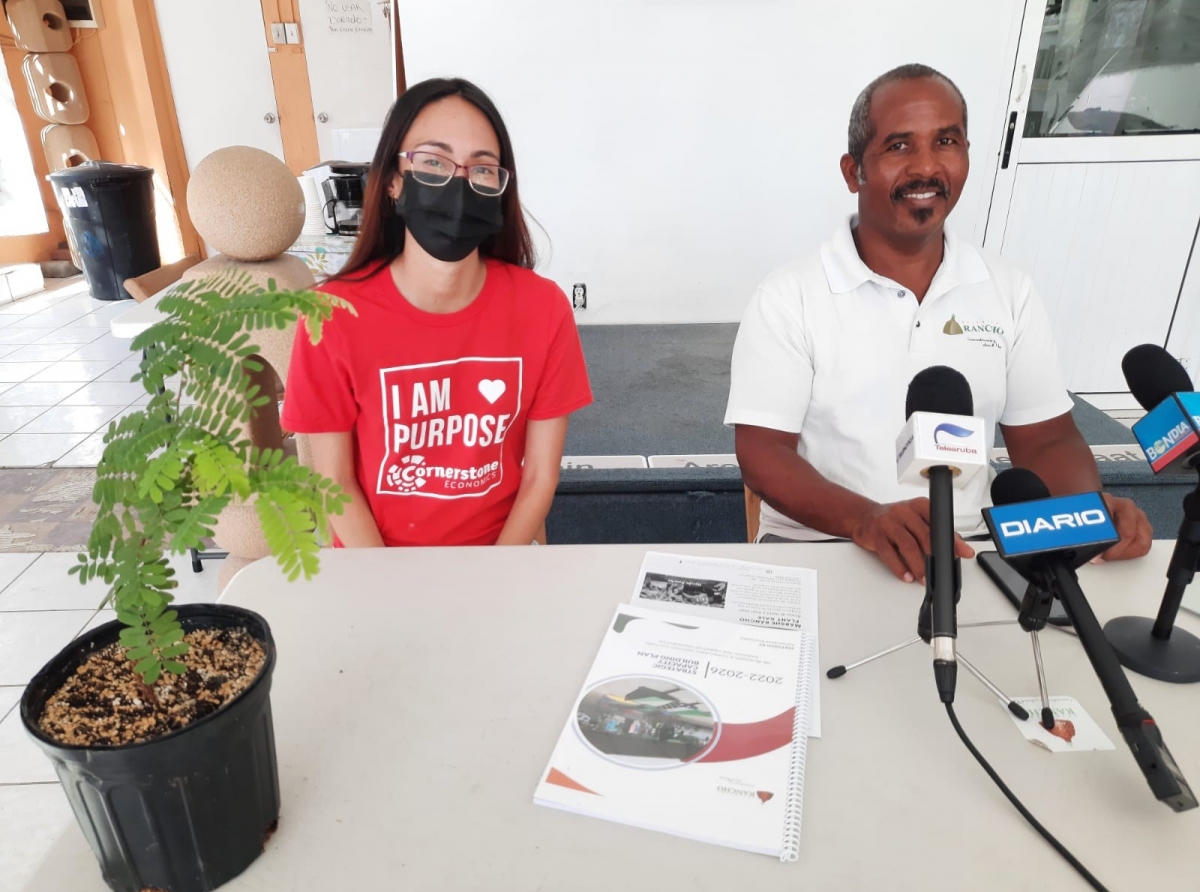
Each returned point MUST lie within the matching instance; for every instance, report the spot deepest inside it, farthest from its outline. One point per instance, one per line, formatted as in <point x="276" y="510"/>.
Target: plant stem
<point x="146" y="690"/>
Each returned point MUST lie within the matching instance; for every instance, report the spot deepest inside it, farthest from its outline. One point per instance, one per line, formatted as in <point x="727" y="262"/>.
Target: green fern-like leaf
<point x="168" y="470"/>
<point x="195" y="524"/>
<point x="289" y="527"/>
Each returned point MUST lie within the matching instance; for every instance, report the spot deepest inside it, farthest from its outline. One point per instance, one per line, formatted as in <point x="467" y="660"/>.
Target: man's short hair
<point x="861" y="131"/>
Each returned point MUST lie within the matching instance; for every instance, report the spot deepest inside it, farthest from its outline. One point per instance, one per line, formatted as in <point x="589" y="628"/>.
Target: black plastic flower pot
<point x="185" y="812"/>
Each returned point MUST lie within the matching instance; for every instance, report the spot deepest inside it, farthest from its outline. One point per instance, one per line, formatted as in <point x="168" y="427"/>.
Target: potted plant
<point x="159" y="723"/>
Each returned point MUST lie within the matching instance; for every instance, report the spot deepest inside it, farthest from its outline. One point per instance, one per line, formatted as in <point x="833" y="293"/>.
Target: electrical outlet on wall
<point x="579" y="296"/>
<point x="292" y="30"/>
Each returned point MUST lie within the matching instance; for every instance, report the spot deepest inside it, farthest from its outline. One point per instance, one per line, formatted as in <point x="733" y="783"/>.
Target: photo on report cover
<point x="645" y="722"/>
<point x="683" y="590"/>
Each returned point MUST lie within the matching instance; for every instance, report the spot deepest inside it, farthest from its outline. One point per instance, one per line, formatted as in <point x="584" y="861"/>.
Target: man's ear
<point x="850" y="172"/>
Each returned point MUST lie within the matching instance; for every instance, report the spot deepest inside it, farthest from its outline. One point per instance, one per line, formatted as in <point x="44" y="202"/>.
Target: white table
<point x="419" y="693"/>
<point x="130" y="324"/>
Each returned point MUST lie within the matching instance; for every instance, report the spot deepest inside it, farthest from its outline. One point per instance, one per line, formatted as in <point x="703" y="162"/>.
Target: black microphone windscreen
<point x="1018" y="485"/>
<point x="940" y="389"/>
<point x="1153" y="374"/>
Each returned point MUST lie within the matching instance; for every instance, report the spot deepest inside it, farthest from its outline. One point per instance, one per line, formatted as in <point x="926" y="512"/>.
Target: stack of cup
<point x="314" y="218"/>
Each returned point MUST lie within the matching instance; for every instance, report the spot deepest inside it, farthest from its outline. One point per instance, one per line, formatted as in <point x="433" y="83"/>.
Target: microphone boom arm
<point x="1136" y="725"/>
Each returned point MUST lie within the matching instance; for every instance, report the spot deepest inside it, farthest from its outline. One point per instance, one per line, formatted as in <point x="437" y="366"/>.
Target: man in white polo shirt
<point x="829" y="344"/>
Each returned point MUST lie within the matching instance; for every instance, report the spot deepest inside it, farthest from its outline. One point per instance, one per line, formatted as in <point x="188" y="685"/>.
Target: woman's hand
<point x="539" y="479"/>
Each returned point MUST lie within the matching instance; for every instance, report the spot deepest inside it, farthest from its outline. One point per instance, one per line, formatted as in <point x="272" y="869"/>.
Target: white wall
<point x="677" y="150"/>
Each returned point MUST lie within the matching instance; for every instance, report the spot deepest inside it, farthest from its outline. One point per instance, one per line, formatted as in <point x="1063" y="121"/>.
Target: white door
<point x="220" y="76"/>
<point x="348" y="46"/>
<point x="1097" y="191"/>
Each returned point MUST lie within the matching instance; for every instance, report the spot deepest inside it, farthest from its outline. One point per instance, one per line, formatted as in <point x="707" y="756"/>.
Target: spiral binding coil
<point x="795" y="792"/>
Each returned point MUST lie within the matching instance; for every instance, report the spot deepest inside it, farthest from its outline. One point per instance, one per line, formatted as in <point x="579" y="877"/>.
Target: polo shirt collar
<point x="845" y="270"/>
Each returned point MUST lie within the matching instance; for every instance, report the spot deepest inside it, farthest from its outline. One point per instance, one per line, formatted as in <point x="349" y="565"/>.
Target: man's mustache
<point x="933" y="185"/>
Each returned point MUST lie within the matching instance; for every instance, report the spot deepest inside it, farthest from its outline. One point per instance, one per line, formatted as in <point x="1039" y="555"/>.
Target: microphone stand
<point x="1157" y="649"/>
<point x="1136" y="725"/>
<point x="1034" y="612"/>
<point x="923" y="634"/>
<point x="937" y="620"/>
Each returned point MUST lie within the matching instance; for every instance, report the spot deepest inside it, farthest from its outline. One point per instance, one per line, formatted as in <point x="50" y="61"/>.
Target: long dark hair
<point x="381" y="235"/>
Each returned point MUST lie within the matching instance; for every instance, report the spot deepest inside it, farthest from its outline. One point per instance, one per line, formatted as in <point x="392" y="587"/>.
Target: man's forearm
<point x="1066" y="465"/>
<point x="793" y="487"/>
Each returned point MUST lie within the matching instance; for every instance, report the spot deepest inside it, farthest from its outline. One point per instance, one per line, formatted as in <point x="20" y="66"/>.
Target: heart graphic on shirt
<point x="491" y="389"/>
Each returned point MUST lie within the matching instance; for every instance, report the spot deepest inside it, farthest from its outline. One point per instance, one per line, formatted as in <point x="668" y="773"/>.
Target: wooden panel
<point x="103" y="121"/>
<point x="1107" y="246"/>
<point x="293" y="96"/>
<point x="130" y="55"/>
<point x="167" y="119"/>
<point x="398" y="51"/>
<point x="132" y="115"/>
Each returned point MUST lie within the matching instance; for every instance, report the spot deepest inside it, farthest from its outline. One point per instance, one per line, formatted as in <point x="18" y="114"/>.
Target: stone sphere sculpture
<point x="246" y="203"/>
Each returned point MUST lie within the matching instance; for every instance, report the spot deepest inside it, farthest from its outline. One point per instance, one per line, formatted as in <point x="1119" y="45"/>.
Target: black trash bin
<point x="109" y="214"/>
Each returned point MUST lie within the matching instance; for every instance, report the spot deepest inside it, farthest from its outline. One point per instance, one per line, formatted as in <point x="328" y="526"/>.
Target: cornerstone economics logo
<point x="445" y="424"/>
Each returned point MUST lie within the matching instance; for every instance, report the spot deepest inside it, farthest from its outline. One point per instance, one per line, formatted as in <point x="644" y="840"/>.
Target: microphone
<point x="1169" y="434"/>
<point x="1045" y="539"/>
<point x="944" y="443"/>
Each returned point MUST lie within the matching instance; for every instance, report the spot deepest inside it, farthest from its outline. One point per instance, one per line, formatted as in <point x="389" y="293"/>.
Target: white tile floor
<point x="41" y="610"/>
<point x="63" y="377"/>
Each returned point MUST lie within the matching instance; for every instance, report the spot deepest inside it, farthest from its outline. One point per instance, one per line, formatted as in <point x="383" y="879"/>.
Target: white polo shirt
<point x="827" y="348"/>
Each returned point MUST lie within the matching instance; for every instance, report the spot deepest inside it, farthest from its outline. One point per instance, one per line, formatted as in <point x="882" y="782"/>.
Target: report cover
<point x="690" y="727"/>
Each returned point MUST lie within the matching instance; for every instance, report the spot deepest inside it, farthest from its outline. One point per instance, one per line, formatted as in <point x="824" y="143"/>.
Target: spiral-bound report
<point x="692" y="727"/>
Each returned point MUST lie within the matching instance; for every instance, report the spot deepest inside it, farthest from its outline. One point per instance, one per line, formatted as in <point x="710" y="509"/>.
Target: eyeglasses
<point x="433" y="169"/>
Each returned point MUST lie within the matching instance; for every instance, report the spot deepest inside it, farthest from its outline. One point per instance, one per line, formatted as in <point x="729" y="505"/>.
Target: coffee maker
<point x="342" y="184"/>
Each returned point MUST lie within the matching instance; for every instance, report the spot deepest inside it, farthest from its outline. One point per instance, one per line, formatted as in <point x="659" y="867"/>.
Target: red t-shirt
<point x="438" y="403"/>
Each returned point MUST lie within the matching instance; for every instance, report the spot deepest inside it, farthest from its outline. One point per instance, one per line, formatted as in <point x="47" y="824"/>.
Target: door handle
<point x="323" y="118"/>
<point x="270" y="118"/>
<point x="1008" y="140"/>
<point x="1022" y="83"/>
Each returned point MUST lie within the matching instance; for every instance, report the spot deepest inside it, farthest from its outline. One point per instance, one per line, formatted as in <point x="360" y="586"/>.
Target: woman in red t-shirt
<point x="441" y="405"/>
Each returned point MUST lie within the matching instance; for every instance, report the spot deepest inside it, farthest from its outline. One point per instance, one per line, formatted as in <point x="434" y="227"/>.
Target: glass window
<point x="21" y="209"/>
<point x="1116" y="68"/>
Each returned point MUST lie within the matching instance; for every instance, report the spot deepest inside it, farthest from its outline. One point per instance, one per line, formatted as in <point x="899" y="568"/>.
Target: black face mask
<point x="448" y="221"/>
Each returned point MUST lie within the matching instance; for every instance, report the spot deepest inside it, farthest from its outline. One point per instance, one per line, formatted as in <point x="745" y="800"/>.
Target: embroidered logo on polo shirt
<point x="986" y="334"/>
